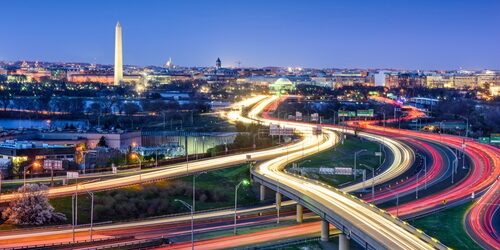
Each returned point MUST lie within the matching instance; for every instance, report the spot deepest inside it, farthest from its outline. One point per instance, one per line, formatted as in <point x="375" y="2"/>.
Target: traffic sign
<point x="53" y="164"/>
<point x="72" y="175"/>
<point x="495" y="138"/>
<point x="484" y="139"/>
<point x="298" y="116"/>
<point x="365" y="113"/>
<point x="314" y="117"/>
<point x="344" y="113"/>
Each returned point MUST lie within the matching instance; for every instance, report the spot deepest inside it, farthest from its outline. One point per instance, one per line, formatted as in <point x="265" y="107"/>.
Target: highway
<point x="479" y="219"/>
<point x="361" y="221"/>
<point x="175" y="170"/>
<point x="312" y="140"/>
<point x="328" y="141"/>
<point x="147" y="228"/>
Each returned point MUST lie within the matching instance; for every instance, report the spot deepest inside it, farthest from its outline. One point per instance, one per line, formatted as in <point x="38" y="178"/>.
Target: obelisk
<point x="118" y="54"/>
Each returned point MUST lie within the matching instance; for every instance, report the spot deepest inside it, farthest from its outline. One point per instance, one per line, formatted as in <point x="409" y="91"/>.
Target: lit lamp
<point x="35" y="164"/>
<point x="136" y="156"/>
<point x="245" y="182"/>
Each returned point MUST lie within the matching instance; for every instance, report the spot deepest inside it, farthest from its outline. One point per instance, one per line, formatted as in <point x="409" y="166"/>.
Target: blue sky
<point x="366" y="34"/>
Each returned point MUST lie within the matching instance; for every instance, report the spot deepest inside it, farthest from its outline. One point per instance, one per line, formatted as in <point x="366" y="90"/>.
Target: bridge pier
<point x="343" y="242"/>
<point x="300" y="215"/>
<point x="325" y="230"/>
<point x="262" y="192"/>
<point x="278" y="201"/>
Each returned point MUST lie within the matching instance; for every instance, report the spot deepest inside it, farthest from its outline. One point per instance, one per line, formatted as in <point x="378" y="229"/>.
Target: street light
<point x="355" y="158"/>
<point x="35" y="164"/>
<point x="194" y="189"/>
<point x="91" y="214"/>
<point x="397" y="200"/>
<point x="244" y="182"/>
<point x="373" y="179"/>
<point x="136" y="156"/>
<point x="297" y="166"/>
<point x="192" y="219"/>
<point x="425" y="170"/>
<point x="416" y="186"/>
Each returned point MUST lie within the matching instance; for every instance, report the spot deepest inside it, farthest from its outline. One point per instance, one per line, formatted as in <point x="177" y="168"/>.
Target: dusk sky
<point x="343" y="34"/>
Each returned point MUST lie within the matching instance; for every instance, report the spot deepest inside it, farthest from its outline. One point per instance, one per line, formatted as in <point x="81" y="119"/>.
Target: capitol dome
<point x="283" y="81"/>
<point x="282" y="86"/>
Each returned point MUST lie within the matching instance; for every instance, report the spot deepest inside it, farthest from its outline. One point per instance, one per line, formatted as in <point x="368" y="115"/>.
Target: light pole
<point x="300" y="163"/>
<point x="397" y="200"/>
<point x="416" y="186"/>
<point x="425" y="170"/>
<point x="136" y="156"/>
<point x="244" y="182"/>
<point x="194" y="189"/>
<point x="355" y="159"/>
<point x="192" y="219"/>
<point x="203" y="145"/>
<point x="156" y="158"/>
<point x="454" y="168"/>
<point x="373" y="179"/>
<point x="34" y="164"/>
<point x="91" y="214"/>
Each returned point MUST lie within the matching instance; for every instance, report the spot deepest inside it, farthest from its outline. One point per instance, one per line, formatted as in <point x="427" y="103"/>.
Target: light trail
<point x="367" y="219"/>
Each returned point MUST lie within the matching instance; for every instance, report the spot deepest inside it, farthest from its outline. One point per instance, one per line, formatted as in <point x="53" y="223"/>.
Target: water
<point x="37" y="124"/>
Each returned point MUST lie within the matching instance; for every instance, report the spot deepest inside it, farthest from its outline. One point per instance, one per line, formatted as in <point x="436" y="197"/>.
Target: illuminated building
<point x="464" y="81"/>
<point x="91" y="77"/>
<point x="118" y="73"/>
<point x="282" y="86"/>
<point x="19" y="152"/>
<point x="169" y="64"/>
<point x="352" y="79"/>
<point x="488" y="78"/>
<point x="438" y="81"/>
<point x="405" y="80"/>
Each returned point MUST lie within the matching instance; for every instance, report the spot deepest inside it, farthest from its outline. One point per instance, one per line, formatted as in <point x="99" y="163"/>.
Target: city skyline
<point x="372" y="35"/>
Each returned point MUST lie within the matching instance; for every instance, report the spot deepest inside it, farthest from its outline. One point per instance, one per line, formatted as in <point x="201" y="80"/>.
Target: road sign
<point x="495" y="138"/>
<point x="344" y="113"/>
<point x="72" y="175"/>
<point x="298" y="116"/>
<point x="365" y="113"/>
<point x="53" y="164"/>
<point x="484" y="139"/>
<point x="274" y="129"/>
<point x="314" y="117"/>
<point x="277" y="130"/>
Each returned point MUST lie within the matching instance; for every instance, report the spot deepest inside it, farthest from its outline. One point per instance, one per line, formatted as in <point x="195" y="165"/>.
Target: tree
<point x="102" y="142"/>
<point x="31" y="206"/>
<point x="131" y="108"/>
<point x="95" y="108"/>
<point x="5" y="98"/>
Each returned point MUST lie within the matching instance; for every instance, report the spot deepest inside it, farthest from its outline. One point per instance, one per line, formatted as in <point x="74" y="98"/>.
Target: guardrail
<point x="81" y="243"/>
<point x="340" y="223"/>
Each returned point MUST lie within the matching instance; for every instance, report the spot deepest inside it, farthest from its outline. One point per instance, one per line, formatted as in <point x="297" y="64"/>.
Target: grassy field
<point x="158" y="198"/>
<point x="343" y="156"/>
<point x="448" y="227"/>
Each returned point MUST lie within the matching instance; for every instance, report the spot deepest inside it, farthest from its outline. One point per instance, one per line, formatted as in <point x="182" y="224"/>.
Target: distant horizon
<point x="409" y="35"/>
<point x="255" y="67"/>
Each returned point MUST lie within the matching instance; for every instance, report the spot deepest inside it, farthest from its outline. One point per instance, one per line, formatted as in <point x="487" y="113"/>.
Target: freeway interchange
<point x="355" y="218"/>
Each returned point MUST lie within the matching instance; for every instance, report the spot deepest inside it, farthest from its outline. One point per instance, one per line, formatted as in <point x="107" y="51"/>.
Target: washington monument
<point x="118" y="54"/>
